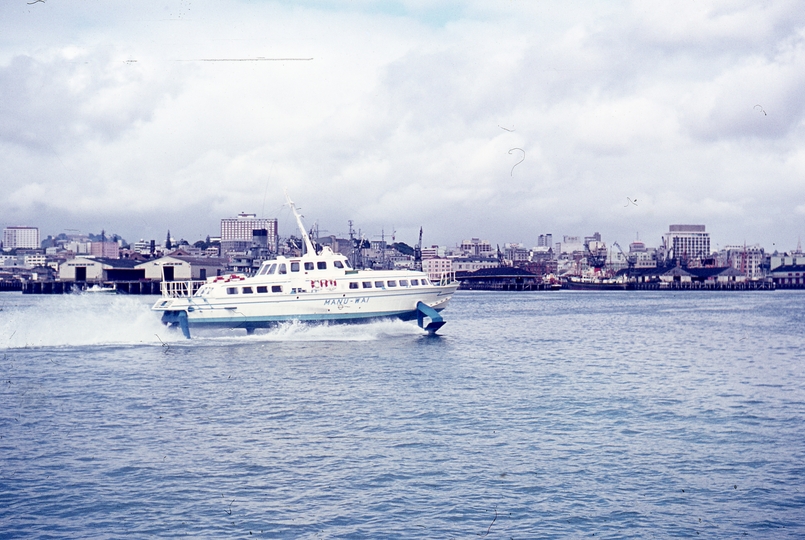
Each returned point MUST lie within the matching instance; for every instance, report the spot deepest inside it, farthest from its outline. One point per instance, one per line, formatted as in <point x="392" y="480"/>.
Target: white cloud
<point x="758" y="97"/>
<point x="72" y="98"/>
<point x="398" y="119"/>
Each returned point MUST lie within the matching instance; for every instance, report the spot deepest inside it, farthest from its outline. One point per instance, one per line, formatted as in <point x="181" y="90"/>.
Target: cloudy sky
<point x="501" y="120"/>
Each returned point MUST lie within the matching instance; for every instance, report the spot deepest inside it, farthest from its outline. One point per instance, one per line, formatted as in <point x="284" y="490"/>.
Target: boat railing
<point x="442" y="278"/>
<point x="179" y="289"/>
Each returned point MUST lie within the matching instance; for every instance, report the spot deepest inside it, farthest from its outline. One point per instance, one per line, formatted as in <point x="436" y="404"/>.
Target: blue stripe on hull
<point x="172" y="317"/>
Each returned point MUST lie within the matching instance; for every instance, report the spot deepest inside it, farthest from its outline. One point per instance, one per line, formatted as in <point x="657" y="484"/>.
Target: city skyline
<point x="503" y="121"/>
<point x="711" y="245"/>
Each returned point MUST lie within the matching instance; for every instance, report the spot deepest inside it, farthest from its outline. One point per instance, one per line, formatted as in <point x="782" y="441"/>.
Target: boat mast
<point x="352" y="243"/>
<point x="305" y="236"/>
<point x="418" y="253"/>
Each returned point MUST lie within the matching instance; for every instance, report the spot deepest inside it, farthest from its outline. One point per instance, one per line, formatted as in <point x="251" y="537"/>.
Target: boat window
<point x="247" y="290"/>
<point x="308" y="266"/>
<point x="346" y="263"/>
<point x="294" y="267"/>
<point x="231" y="290"/>
<point x="321" y="265"/>
<point x="262" y="289"/>
<point x="414" y="282"/>
<point x="425" y="281"/>
<point x="272" y="269"/>
<point x="283" y="269"/>
<point x="403" y="283"/>
<point x="263" y="270"/>
<point x="353" y="284"/>
<point x="392" y="283"/>
<point x="379" y="285"/>
<point x="276" y="288"/>
<point x="367" y="284"/>
<point x="338" y="264"/>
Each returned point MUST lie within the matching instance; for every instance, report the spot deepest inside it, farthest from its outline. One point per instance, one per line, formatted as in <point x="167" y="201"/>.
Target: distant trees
<point x="403" y="248"/>
<point x="206" y="244"/>
<point x="102" y="237"/>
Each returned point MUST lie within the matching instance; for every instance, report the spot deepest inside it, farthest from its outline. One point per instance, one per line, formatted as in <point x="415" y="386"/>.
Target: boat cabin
<point x="315" y="272"/>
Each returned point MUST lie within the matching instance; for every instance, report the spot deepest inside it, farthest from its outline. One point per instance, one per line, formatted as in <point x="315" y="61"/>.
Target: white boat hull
<point x="255" y="312"/>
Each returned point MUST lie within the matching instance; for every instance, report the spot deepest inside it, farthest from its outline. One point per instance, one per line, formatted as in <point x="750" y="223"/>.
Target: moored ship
<point x="597" y="283"/>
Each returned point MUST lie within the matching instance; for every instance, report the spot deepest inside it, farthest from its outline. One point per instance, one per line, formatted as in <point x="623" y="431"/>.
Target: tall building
<point x="569" y="244"/>
<point x="545" y="240"/>
<point x="433" y="251"/>
<point x="688" y="243"/>
<point x="436" y="267"/>
<point x="237" y="234"/>
<point x="596" y="237"/>
<point x="105" y="250"/>
<point x="20" y="237"/>
<point x="642" y="256"/>
<point x="477" y="247"/>
<point x="516" y="253"/>
<point x="747" y="259"/>
<point x="145" y="247"/>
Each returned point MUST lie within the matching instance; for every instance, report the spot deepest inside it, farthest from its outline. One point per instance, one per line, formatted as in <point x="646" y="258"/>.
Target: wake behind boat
<point x="98" y="289"/>
<point x="316" y="287"/>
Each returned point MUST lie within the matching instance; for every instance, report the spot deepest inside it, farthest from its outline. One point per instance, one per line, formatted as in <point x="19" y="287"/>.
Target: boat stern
<point x="174" y="313"/>
<point x="177" y="318"/>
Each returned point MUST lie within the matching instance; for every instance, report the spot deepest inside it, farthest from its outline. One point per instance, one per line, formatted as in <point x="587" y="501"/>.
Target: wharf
<point x="699" y="286"/>
<point x="466" y="286"/>
<point x="153" y="287"/>
<point x="630" y="286"/>
<point x="66" y="287"/>
<point x="14" y="285"/>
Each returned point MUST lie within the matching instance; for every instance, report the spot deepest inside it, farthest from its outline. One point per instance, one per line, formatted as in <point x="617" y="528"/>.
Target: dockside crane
<point x="631" y="260"/>
<point x="597" y="261"/>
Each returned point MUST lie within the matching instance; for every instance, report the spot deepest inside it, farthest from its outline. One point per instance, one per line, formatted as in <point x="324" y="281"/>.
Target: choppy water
<point x="535" y="415"/>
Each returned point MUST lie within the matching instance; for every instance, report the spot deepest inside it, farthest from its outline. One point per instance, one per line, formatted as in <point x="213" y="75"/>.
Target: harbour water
<point x="534" y="415"/>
